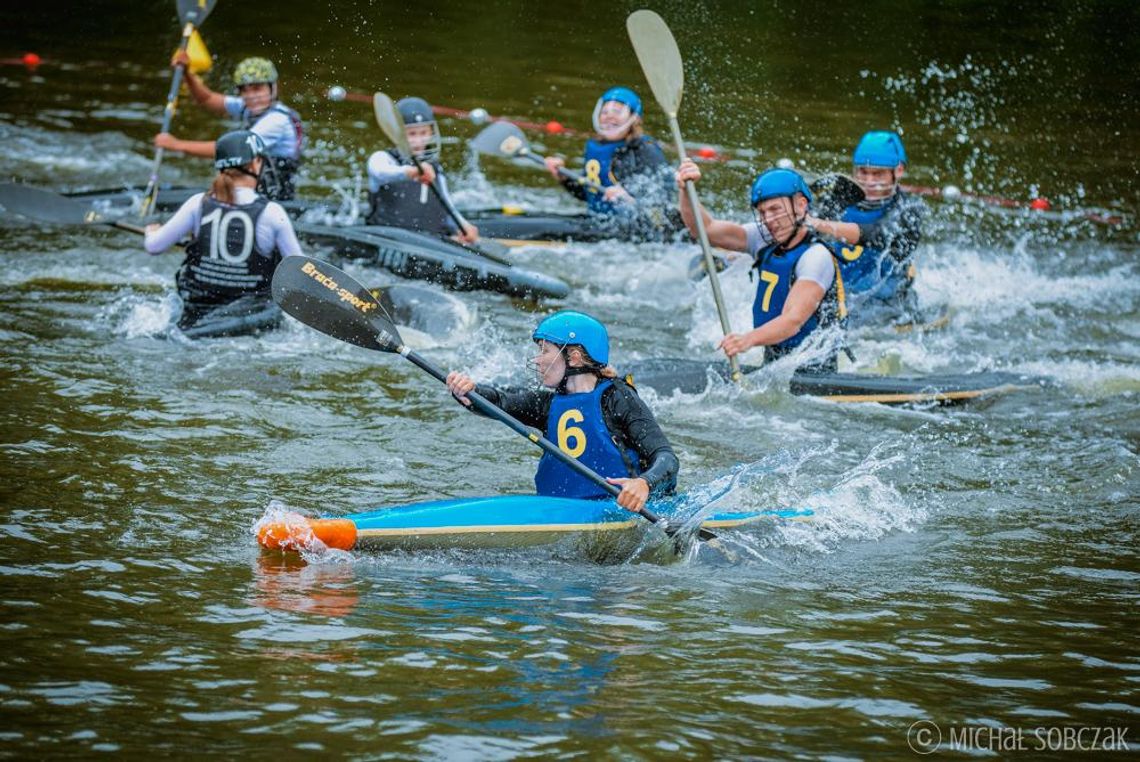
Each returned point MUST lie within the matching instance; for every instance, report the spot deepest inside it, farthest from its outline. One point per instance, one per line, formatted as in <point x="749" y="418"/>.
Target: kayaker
<point x="238" y="237"/>
<point x="259" y="111"/>
<point x="878" y="236"/>
<point x="797" y="290"/>
<point x="399" y="193"/>
<point x="628" y="179"/>
<point x="589" y="412"/>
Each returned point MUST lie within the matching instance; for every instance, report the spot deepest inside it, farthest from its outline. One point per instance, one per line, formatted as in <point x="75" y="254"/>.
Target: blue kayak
<point x="480" y="522"/>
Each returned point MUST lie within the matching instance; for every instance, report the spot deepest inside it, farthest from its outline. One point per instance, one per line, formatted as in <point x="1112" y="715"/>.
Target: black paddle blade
<point x="194" y="11"/>
<point x="500" y="139"/>
<point x="44" y="205"/>
<point x="835" y="192"/>
<point x="331" y="301"/>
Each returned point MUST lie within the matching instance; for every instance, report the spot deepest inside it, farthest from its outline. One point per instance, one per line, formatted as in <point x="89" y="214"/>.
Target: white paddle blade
<point x="659" y="57"/>
<point x="391" y="122"/>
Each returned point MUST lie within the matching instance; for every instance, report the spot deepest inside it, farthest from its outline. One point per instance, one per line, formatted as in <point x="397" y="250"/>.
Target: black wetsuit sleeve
<point x="528" y="405"/>
<point x="630" y="419"/>
<point x="897" y="232"/>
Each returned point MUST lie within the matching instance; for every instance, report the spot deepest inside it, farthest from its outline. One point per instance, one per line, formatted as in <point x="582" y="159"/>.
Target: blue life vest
<point x="599" y="170"/>
<point x="577" y="426"/>
<point x="868" y="270"/>
<point x="777" y="276"/>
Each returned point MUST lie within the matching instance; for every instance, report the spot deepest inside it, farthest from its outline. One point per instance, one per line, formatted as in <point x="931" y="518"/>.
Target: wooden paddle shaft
<point x="706" y="248"/>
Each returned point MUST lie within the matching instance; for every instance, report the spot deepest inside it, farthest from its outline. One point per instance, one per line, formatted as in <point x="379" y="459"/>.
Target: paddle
<point x="331" y="301"/>
<point x="392" y="124"/>
<point x="507" y="141"/>
<point x="45" y="205"/>
<point x="191" y="13"/>
<point x="834" y="193"/>
<point x="661" y="61"/>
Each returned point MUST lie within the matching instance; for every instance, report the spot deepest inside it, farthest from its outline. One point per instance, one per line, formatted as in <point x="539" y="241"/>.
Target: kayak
<point x="482" y="522"/>
<point x="406" y="253"/>
<point x="246" y="316"/>
<point x="669" y="375"/>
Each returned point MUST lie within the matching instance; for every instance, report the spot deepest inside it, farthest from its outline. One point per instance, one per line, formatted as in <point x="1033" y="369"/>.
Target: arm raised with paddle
<point x="332" y="302"/>
<point x="660" y="59"/>
<point x="191" y="13"/>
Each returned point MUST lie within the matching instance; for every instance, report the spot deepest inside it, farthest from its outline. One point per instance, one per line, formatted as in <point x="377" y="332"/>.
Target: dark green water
<point x="974" y="568"/>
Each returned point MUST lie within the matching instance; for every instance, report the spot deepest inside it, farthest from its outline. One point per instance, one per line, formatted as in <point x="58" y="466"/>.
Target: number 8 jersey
<point x="223" y="262"/>
<point x="576" y="424"/>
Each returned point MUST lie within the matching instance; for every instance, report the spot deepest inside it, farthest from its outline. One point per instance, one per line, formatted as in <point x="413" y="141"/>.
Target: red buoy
<point x="31" y="60"/>
<point x="554" y="127"/>
<point x="706" y="152"/>
<point x="1040" y="204"/>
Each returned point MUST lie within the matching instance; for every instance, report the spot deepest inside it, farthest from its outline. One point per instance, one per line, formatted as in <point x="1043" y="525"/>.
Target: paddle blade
<point x="44" y="205"/>
<point x="331" y="301"/>
<point x="200" y="59"/>
<point x="501" y="139"/>
<point x="391" y="122"/>
<point x="835" y="192"/>
<point x="194" y="11"/>
<point x="659" y="57"/>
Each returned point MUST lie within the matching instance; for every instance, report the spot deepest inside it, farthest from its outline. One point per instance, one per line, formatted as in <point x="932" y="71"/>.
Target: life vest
<point x="576" y="424"/>
<point x="276" y="182"/>
<point x="409" y="203"/>
<point x="867" y="270"/>
<point x="598" y="171"/>
<point x="777" y="271"/>
<point x="223" y="262"/>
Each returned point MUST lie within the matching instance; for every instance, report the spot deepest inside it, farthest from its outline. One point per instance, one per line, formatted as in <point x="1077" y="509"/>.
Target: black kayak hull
<point x="502" y="223"/>
<point x="667" y="375"/>
<point x="406" y="253"/>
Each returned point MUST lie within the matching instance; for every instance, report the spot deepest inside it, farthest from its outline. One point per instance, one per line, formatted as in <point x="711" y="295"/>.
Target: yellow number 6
<point x="568" y="433"/>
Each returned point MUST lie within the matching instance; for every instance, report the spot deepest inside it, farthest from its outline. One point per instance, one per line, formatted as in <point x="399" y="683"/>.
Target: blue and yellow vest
<point x="577" y="426"/>
<point x="599" y="172"/>
<point x="868" y="270"/>
<point x="777" y="276"/>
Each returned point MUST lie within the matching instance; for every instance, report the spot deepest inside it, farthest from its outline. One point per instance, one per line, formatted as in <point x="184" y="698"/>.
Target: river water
<point x="974" y="568"/>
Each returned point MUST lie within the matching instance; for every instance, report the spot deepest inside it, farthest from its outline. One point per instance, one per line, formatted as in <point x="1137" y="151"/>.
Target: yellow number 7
<point x="771" y="279"/>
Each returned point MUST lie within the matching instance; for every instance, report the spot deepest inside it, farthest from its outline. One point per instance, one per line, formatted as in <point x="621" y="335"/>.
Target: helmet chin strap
<point x="799" y="223"/>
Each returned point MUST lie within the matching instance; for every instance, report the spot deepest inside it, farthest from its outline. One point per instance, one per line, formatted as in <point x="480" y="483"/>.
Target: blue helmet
<point x="777" y="183"/>
<point x="568" y="327"/>
<point x="880" y="148"/>
<point x="622" y="95"/>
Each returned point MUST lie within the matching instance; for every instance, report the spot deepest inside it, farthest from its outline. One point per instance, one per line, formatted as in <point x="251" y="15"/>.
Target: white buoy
<point x="337" y="93"/>
<point x="479" y="116"/>
<point x="785" y="163"/>
<point x="951" y="192"/>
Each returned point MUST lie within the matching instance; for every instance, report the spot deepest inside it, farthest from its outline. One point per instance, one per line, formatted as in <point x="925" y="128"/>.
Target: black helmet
<point x="415" y="111"/>
<point x="237" y="149"/>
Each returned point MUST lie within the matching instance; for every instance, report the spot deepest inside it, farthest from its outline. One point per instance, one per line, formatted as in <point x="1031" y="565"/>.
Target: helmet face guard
<point x="417" y="113"/>
<point x="780" y="183"/>
<point x="624" y="96"/>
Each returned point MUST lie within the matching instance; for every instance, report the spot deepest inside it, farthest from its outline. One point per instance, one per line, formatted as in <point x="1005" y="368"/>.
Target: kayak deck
<point x="484" y="522"/>
<point x="669" y="375"/>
